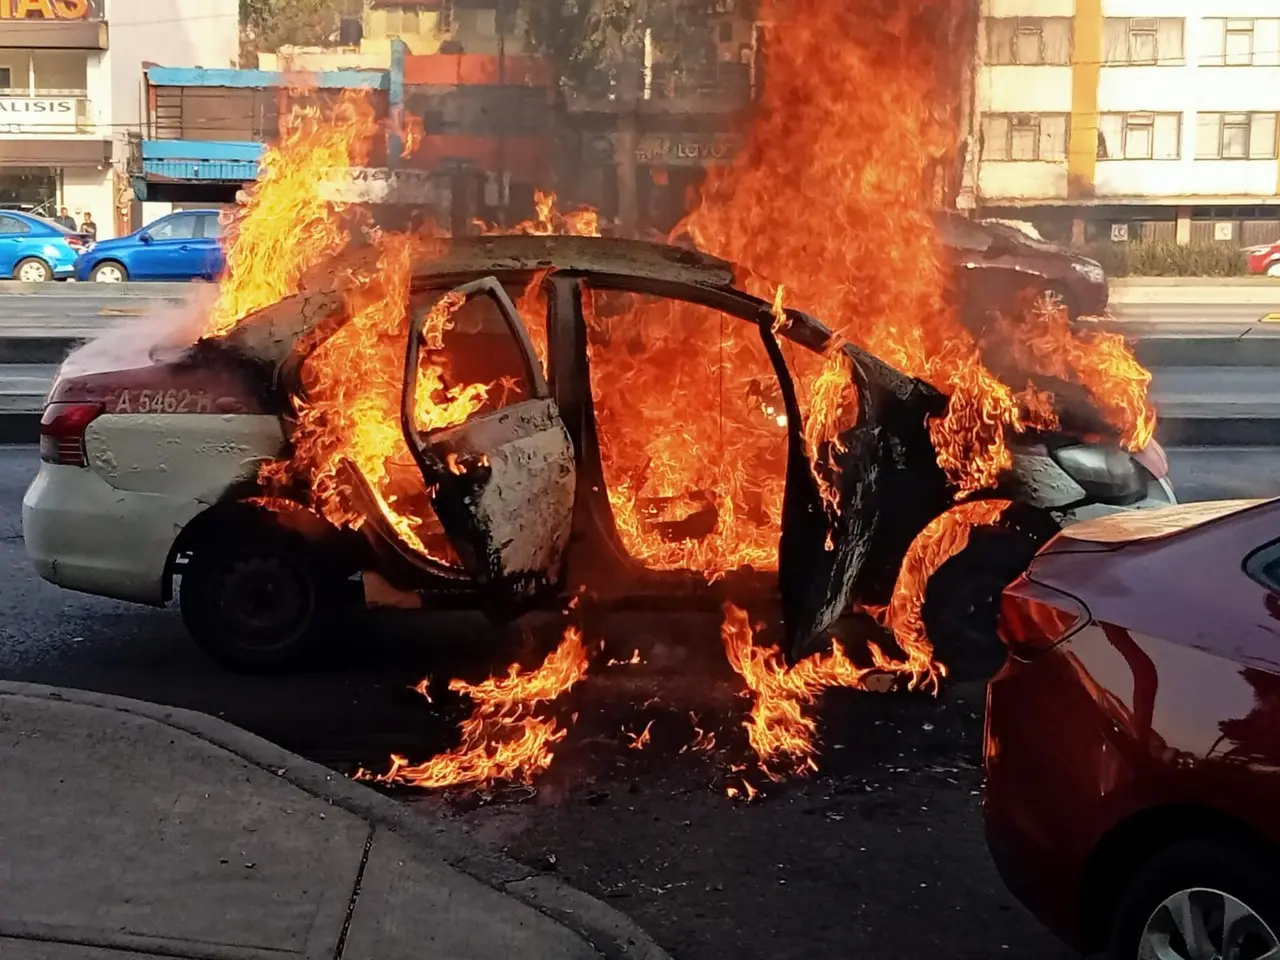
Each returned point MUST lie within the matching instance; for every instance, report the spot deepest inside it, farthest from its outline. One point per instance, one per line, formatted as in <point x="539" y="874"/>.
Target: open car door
<point x="887" y="486"/>
<point x="503" y="480"/>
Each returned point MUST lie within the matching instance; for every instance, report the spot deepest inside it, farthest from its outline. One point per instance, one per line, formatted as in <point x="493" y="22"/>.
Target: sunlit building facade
<point x="1130" y="119"/>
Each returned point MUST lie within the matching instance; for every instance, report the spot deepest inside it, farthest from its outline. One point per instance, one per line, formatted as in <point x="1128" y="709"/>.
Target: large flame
<point x="287" y="225"/>
<point x="503" y="738"/>
<point x="833" y="194"/>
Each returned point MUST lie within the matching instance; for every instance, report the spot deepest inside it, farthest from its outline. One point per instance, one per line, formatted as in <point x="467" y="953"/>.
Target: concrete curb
<point x="1251" y="281"/>
<point x="612" y="933"/>
<point x="72" y="289"/>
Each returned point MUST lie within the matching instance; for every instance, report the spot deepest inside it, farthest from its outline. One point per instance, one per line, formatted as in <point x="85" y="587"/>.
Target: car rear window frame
<point x="1263" y="566"/>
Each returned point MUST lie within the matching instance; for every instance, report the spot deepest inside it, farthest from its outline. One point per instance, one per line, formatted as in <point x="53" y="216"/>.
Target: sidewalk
<point x="131" y="830"/>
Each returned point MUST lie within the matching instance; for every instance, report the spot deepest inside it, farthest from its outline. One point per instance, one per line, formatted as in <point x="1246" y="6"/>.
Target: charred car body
<point x="151" y="469"/>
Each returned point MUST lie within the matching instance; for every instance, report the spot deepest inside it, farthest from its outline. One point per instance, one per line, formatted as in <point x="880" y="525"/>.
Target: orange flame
<point x="944" y="537"/>
<point x="287" y="225"/>
<point x="834" y="191"/>
<point x="502" y="739"/>
<point x="779" y="729"/>
<point x="639" y="740"/>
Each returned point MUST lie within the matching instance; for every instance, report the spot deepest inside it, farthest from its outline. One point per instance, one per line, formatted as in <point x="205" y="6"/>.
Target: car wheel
<point x="259" y="602"/>
<point x="32" y="270"/>
<point x="109" y="272"/>
<point x="962" y="598"/>
<point x="1049" y="299"/>
<point x="1274" y="269"/>
<point x="1202" y="898"/>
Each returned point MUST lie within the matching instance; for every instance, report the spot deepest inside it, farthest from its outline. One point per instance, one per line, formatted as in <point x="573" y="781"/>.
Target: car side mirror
<point x="145" y="237"/>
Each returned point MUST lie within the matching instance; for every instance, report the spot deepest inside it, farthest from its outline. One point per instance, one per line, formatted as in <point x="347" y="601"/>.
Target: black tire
<point x="1225" y="865"/>
<point x="962" y="599"/>
<point x="261" y="601"/>
<point x="94" y="276"/>
<point x="45" y="269"/>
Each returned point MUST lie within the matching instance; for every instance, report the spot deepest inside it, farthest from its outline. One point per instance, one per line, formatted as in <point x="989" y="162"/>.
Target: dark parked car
<point x="1133" y="736"/>
<point x="999" y="267"/>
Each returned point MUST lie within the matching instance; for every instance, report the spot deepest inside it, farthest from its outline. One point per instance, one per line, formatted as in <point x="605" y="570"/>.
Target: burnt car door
<point x="883" y="481"/>
<point x="502" y="480"/>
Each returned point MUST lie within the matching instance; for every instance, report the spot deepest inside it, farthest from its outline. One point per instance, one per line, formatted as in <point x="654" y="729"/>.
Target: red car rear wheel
<point x="1201" y="898"/>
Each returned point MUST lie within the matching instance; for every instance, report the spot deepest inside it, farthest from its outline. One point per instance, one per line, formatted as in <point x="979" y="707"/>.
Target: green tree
<point x="267" y="25"/>
<point x="600" y="43"/>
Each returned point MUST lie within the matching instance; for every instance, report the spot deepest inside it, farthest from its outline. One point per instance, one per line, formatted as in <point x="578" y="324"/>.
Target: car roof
<point x="601" y="255"/>
<point x="34" y="218"/>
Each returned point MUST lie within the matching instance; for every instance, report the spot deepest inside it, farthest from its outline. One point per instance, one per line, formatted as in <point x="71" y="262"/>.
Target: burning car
<point x="513" y="421"/>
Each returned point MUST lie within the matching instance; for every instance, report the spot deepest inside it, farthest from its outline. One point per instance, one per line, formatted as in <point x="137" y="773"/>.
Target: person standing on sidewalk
<point x="89" y="228"/>
<point x="64" y="219"/>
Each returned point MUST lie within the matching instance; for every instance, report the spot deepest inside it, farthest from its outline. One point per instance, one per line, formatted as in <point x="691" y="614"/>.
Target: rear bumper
<point x="83" y="534"/>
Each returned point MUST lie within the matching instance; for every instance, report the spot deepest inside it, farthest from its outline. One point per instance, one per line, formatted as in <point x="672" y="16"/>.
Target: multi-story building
<point x="486" y="98"/>
<point x="1129" y="119"/>
<point x="71" y="93"/>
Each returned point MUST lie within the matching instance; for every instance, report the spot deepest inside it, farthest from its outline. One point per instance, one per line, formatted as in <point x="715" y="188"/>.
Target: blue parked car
<point x="35" y="249"/>
<point x="181" y="246"/>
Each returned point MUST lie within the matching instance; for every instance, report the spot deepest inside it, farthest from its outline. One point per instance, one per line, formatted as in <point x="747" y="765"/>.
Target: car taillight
<point x="62" y="432"/>
<point x="1035" y="618"/>
<point x="76" y="244"/>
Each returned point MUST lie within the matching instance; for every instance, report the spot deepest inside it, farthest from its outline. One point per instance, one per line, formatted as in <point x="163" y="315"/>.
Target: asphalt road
<point x="880" y="853"/>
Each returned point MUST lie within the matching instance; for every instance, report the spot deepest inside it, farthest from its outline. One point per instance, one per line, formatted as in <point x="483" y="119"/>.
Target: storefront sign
<point x="383" y="185"/>
<point x="46" y="10"/>
<point x="670" y="150"/>
<point x="686" y="150"/>
<point x="37" y="114"/>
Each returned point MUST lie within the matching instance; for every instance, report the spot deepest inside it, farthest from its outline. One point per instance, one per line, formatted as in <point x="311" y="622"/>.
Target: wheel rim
<point x="32" y="272"/>
<point x="108" y="273"/>
<point x="1273" y="270"/>
<point x="1048" y="301"/>
<point x="266" y="601"/>
<point x="1205" y="924"/>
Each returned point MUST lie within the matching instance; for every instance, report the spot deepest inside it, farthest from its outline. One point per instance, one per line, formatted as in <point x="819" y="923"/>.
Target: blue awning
<point x="201" y="160"/>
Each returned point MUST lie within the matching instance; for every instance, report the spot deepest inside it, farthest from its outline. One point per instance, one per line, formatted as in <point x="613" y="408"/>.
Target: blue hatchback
<point x="35" y="249"/>
<point x="181" y="246"/>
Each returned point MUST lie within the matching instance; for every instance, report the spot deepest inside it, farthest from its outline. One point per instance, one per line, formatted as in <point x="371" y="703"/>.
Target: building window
<point x="6" y="78"/>
<point x="1028" y="41"/>
<point x="1140" y="136"/>
<point x="1143" y="41"/>
<point x="1236" y="136"/>
<point x="1025" y="136"/>
<point x="1242" y="43"/>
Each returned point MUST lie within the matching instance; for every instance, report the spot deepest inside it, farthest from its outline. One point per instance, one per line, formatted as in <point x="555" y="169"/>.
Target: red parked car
<point x="1133" y="734"/>
<point x="1264" y="259"/>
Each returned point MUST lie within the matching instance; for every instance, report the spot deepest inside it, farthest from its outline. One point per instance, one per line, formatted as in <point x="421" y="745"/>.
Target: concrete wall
<point x="91" y="191"/>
